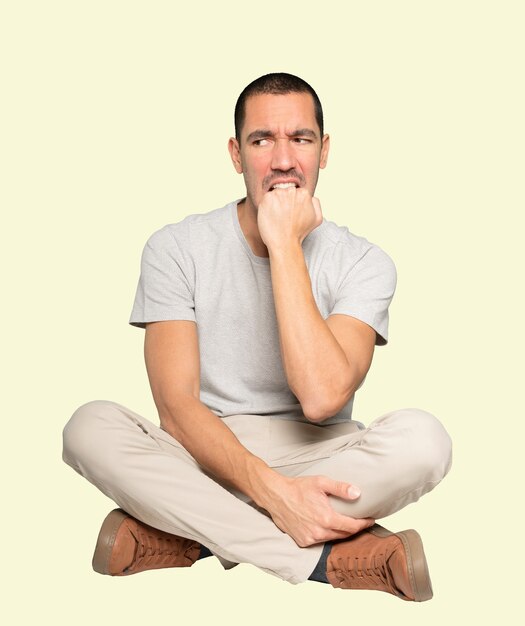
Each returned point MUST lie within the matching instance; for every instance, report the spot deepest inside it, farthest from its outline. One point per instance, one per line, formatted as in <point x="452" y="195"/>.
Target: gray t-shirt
<point x="203" y="269"/>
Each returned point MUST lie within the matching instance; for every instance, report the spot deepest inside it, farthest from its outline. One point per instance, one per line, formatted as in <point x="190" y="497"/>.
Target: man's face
<point x="280" y="144"/>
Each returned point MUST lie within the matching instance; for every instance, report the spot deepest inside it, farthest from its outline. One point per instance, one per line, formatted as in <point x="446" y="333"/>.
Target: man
<point x="261" y="319"/>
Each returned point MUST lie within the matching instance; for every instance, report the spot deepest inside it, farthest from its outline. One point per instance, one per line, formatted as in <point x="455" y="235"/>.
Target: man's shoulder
<point x="347" y="246"/>
<point x="191" y="224"/>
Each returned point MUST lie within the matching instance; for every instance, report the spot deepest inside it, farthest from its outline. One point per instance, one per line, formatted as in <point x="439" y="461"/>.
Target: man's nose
<point x="283" y="156"/>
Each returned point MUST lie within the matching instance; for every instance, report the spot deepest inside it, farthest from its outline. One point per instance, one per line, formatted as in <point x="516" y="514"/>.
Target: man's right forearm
<point x="298" y="506"/>
<point x="214" y="446"/>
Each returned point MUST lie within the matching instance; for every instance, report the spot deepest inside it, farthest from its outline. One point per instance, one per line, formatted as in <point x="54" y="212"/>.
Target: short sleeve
<point x="366" y="289"/>
<point x="165" y="287"/>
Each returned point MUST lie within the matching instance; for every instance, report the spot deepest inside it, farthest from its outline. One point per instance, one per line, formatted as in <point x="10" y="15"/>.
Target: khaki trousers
<point x="149" y="474"/>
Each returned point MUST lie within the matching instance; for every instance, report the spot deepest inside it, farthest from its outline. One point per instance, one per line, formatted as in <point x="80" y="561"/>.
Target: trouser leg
<point x="398" y="458"/>
<point x="152" y="477"/>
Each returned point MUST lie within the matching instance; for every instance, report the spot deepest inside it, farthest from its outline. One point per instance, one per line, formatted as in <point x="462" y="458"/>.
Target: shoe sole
<point x="416" y="560"/>
<point x="106" y="540"/>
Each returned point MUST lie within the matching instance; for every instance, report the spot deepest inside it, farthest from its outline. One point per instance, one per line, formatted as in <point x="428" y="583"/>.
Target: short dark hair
<point x="276" y="84"/>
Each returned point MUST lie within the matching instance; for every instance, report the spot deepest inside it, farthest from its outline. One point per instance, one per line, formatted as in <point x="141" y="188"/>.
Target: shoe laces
<point x="370" y="572"/>
<point x="161" y="549"/>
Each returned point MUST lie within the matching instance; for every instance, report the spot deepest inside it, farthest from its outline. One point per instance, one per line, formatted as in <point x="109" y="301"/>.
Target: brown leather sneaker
<point x="381" y="560"/>
<point x="126" y="546"/>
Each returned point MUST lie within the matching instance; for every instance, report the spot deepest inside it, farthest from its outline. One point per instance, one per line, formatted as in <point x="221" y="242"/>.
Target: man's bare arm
<point x="324" y="361"/>
<point x="172" y="361"/>
<point x="298" y="506"/>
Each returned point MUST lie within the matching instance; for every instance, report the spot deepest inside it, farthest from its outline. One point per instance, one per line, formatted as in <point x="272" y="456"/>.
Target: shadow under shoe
<point x="380" y="560"/>
<point x="127" y="546"/>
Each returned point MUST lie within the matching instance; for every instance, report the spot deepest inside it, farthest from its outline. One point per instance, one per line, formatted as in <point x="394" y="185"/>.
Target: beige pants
<point x="394" y="461"/>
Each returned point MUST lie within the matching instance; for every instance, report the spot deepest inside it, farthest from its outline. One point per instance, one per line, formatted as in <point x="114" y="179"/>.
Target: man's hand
<point x="287" y="216"/>
<point x="300" y="507"/>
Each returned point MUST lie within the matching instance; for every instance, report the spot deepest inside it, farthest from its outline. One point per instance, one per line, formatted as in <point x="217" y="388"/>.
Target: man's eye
<point x="260" y="142"/>
<point x="301" y="140"/>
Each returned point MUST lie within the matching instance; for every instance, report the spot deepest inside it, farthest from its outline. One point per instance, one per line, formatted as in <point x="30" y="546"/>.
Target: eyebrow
<point x="263" y="133"/>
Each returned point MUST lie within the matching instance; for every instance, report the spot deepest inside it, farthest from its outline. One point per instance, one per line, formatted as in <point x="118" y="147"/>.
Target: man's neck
<point x="248" y="221"/>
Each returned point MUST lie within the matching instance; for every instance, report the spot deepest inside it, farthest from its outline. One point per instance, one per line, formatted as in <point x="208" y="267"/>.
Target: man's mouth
<point x="283" y="186"/>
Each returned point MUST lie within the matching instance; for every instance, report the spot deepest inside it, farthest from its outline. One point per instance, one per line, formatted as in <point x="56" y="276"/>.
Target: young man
<point x="261" y="319"/>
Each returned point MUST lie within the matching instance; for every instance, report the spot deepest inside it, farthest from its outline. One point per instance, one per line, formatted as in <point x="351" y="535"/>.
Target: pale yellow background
<point x="115" y="118"/>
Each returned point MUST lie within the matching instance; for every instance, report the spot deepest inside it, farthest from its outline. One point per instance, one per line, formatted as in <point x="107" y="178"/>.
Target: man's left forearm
<point x="314" y="362"/>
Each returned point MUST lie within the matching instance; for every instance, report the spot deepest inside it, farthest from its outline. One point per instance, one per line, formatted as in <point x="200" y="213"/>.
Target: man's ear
<point x="235" y="154"/>
<point x="325" y="147"/>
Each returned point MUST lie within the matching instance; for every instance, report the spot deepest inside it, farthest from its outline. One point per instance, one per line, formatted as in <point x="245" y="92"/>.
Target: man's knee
<point x="411" y="451"/>
<point x="429" y="446"/>
<point x="81" y="435"/>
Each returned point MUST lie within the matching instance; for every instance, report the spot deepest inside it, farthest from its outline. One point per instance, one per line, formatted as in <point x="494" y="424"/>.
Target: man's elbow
<point x="315" y="417"/>
<point x="320" y="411"/>
<point x="327" y="401"/>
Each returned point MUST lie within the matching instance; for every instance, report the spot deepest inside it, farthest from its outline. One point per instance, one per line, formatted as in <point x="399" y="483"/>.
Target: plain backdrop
<point x="114" y="120"/>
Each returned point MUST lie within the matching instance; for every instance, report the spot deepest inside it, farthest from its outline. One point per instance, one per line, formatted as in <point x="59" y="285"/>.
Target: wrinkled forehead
<point x="279" y="113"/>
